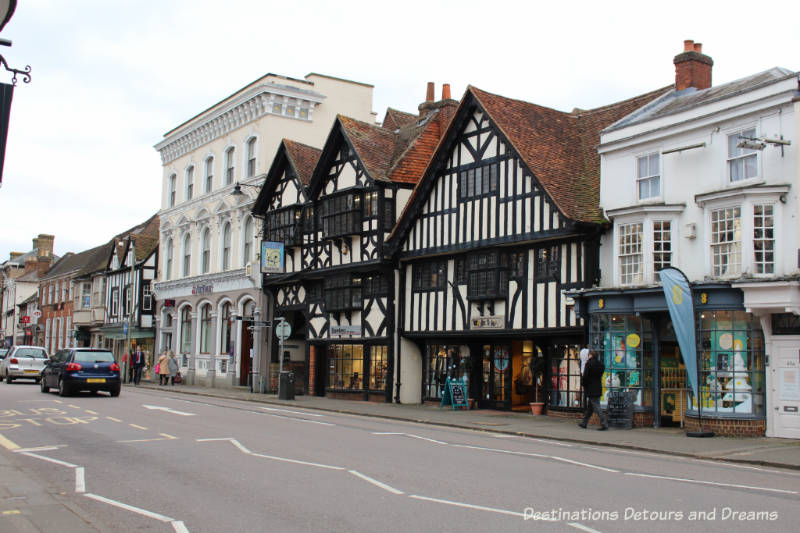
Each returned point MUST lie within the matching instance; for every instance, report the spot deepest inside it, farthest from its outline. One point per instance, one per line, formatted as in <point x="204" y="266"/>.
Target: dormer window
<point x="742" y="162"/>
<point x="341" y="215"/>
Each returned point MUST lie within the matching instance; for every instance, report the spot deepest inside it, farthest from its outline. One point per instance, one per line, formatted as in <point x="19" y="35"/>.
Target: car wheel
<point x="44" y="387"/>
<point x="9" y="379"/>
<point x="62" y="388"/>
<point x="114" y="392"/>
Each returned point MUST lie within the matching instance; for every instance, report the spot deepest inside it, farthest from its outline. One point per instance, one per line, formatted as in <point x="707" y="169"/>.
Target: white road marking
<point x="91" y="412"/>
<point x="544" y="441"/>
<point x="284" y="417"/>
<point x="178" y="526"/>
<point x="50" y="460"/>
<point x="587" y="465"/>
<point x="113" y="419"/>
<point x="576" y="525"/>
<point x="80" y="480"/>
<point x="424" y="438"/>
<point x="73" y="406"/>
<point x="702" y="482"/>
<point x="293" y="412"/>
<point x="166" y="410"/>
<point x="386" y="433"/>
<point x="137" y="426"/>
<point x="468" y="506"/>
<point x="131" y="508"/>
<point x="272" y="457"/>
<point x="375" y="482"/>
<point x="498" y="450"/>
<point x="748" y="467"/>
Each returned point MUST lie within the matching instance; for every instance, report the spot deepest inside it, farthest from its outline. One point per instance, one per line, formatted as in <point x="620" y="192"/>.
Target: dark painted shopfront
<point x="632" y="331"/>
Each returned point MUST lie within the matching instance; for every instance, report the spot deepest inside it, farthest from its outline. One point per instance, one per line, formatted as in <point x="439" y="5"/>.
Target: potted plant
<point x="538" y="382"/>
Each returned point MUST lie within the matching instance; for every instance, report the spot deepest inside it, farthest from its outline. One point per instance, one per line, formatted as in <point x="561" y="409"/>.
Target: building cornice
<point x="247" y="107"/>
<point x="741" y="192"/>
<point x="646" y="209"/>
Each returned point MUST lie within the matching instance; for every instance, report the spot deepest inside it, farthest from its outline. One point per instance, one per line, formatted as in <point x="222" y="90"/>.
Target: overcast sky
<point x="110" y="77"/>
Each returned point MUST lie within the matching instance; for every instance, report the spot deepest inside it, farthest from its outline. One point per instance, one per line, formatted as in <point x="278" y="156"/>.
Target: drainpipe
<point x="398" y="318"/>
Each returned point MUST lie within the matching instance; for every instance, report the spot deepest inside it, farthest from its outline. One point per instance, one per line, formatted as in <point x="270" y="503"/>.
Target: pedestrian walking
<point x="592" y="385"/>
<point x="138" y="365"/>
<point x="172" y="366"/>
<point x="163" y="370"/>
<point x="584" y="356"/>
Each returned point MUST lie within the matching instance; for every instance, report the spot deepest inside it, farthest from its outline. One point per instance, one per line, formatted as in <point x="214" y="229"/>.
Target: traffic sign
<point x="283" y="330"/>
<point x="37" y="313"/>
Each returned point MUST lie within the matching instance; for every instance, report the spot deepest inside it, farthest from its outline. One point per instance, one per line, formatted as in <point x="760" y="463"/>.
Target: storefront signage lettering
<point x="487" y="322"/>
<point x="202" y="289"/>
<point x="345" y="330"/>
<point x="785" y="324"/>
<point x="455" y="393"/>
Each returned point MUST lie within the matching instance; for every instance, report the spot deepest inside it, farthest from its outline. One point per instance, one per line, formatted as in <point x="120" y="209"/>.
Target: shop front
<point x="506" y="374"/>
<point x="355" y="370"/>
<point x="632" y="332"/>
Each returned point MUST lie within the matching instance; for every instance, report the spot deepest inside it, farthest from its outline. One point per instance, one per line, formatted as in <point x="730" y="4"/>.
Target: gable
<point x="477" y="191"/>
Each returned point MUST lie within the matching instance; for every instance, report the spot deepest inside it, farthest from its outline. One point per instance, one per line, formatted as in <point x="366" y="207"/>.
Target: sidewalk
<point x="780" y="453"/>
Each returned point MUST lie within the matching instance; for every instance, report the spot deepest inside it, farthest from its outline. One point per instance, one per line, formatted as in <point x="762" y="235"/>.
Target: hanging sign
<point x="455" y="393"/>
<point x="272" y="257"/>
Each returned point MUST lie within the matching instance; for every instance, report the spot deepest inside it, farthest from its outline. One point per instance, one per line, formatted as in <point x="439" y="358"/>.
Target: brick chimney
<point x="692" y="67"/>
<point x="429" y="95"/>
<point x="446" y="91"/>
<point x="45" y="244"/>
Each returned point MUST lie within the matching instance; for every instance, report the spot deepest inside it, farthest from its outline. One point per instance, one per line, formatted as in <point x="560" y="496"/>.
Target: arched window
<point x="251" y="157"/>
<point x="186" y="330"/>
<point x="225" y="329"/>
<point x="209" y="173"/>
<point x="248" y="241"/>
<point x="226" y="247"/>
<point x="168" y="260"/>
<point x="206" y="251"/>
<point x="205" y="329"/>
<point x="187" y="255"/>
<point x="229" y="162"/>
<point x="189" y="182"/>
<point x="171" y="190"/>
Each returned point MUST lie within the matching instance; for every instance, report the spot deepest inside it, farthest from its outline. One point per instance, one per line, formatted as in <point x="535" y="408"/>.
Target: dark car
<point x="82" y="369"/>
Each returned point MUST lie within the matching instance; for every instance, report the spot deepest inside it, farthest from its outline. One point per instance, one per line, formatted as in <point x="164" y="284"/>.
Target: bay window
<point x="341" y="215"/>
<point x="726" y="241"/>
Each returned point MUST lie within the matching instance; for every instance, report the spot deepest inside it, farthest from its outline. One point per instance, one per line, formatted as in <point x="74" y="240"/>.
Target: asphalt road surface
<point x="157" y="461"/>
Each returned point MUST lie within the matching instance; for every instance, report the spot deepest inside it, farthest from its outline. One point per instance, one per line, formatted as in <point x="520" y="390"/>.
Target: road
<point x="152" y="460"/>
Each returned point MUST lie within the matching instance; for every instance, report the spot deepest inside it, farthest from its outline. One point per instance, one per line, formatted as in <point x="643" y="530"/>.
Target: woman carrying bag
<point x="174" y="368"/>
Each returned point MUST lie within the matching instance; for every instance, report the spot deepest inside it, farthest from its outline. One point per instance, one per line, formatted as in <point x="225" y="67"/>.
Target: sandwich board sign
<point x="455" y="393"/>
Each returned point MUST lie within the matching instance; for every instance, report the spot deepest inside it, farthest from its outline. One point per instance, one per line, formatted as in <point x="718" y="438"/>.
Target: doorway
<point x="496" y="376"/>
<point x="672" y="382"/>
<point x="245" y="354"/>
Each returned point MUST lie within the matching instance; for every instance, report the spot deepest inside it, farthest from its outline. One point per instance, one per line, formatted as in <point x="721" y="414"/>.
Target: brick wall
<point x="312" y="369"/>
<point x="730" y="427"/>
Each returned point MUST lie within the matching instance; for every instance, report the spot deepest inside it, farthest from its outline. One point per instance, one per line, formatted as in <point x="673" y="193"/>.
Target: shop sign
<point x="345" y="330"/>
<point x="202" y="289"/>
<point x="272" y="257"/>
<point x="785" y="324"/>
<point x="25" y="319"/>
<point x="487" y="322"/>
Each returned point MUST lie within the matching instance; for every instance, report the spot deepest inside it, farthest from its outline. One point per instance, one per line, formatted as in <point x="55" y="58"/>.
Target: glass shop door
<point x="496" y="376"/>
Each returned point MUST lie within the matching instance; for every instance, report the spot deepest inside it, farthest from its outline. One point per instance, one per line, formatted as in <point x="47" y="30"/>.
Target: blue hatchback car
<point x="77" y="369"/>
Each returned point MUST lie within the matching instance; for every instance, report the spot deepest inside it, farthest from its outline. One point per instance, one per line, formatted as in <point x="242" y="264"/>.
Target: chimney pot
<point x="429" y="95"/>
<point x="692" y="67"/>
<point x="698" y="48"/>
<point x="446" y="91"/>
<point x="688" y="45"/>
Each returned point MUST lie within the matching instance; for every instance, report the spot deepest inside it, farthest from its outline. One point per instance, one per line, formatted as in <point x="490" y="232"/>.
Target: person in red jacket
<point x="592" y="381"/>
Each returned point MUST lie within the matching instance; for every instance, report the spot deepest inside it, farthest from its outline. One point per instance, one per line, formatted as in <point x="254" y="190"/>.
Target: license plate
<point x="96" y="380"/>
<point x="31" y="371"/>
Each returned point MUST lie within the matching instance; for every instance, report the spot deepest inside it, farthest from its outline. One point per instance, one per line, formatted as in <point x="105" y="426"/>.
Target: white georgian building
<point x="705" y="179"/>
<point x="208" y="286"/>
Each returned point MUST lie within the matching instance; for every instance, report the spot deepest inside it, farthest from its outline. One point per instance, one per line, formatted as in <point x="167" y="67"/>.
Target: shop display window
<point x="443" y="361"/>
<point x="625" y="343"/>
<point x="565" y="377"/>
<point x="346" y="363"/>
<point x="379" y="366"/>
<point x="731" y="363"/>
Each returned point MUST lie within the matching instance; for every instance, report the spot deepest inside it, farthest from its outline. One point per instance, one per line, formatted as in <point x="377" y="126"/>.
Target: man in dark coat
<point x="138" y="364"/>
<point x="593" y="388"/>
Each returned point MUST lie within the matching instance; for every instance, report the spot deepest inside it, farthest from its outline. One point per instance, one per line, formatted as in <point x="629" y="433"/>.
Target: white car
<point x="23" y="362"/>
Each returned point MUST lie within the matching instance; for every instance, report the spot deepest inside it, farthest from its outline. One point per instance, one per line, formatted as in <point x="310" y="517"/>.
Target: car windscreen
<point x="31" y="352"/>
<point x="94" y="357"/>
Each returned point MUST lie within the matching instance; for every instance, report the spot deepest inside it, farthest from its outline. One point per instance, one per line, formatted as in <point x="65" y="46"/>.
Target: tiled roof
<point x="144" y="235"/>
<point x="559" y="147"/>
<point x="395" y="119"/>
<point x="399" y="155"/>
<point x="677" y="101"/>
<point x="304" y="159"/>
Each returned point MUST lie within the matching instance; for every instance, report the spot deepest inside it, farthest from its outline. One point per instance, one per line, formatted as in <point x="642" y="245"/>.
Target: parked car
<point x="77" y="369"/>
<point x="23" y="362"/>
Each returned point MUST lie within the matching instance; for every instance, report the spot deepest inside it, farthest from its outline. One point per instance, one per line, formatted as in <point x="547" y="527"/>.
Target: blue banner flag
<point x="681" y="311"/>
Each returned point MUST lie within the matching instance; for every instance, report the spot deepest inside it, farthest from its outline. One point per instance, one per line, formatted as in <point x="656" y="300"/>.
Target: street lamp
<point x="237" y="188"/>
